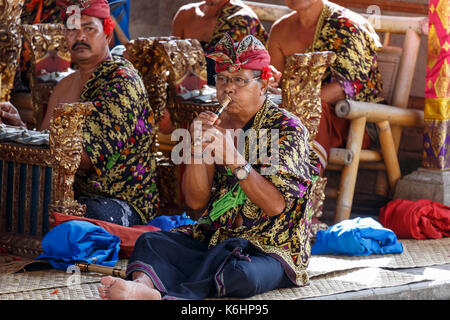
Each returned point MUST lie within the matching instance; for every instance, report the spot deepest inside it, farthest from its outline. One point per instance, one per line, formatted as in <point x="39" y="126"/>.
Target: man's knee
<point x="240" y="280"/>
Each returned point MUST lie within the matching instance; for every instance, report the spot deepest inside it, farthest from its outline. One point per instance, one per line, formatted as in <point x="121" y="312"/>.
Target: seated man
<point x="117" y="175"/>
<point x="254" y="236"/>
<point x="317" y="25"/>
<point x="209" y="20"/>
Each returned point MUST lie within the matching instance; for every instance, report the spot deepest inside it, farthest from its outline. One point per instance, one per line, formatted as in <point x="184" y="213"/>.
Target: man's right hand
<point x="9" y="115"/>
<point x="274" y="81"/>
<point x="203" y="122"/>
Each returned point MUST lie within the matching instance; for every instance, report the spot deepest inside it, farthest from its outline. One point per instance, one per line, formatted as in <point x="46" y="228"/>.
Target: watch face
<point x="241" y="173"/>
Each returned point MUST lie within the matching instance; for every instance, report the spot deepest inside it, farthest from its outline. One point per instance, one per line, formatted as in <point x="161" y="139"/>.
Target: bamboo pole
<point x="119" y="32"/>
<point x="110" y="271"/>
<point x="381" y="183"/>
<point x="403" y="83"/>
<point x="340" y="156"/>
<point x="349" y="173"/>
<point x="362" y="165"/>
<point x="366" y="155"/>
<point x="375" y="112"/>
<point x="389" y="153"/>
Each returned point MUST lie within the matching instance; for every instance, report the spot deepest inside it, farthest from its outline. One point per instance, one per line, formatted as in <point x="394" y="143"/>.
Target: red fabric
<point x="250" y="54"/>
<point x="127" y="235"/>
<point x="108" y="25"/>
<point x="252" y="60"/>
<point x="422" y="219"/>
<point x="266" y="73"/>
<point x="95" y="8"/>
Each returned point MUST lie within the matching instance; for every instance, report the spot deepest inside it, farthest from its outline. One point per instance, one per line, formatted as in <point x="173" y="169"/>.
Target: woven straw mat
<point x="328" y="275"/>
<point x="416" y="253"/>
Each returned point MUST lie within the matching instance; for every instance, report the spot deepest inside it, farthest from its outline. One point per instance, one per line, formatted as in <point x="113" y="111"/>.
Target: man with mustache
<point x="116" y="179"/>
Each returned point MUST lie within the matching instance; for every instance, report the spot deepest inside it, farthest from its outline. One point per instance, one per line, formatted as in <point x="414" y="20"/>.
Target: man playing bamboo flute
<point x="254" y="235"/>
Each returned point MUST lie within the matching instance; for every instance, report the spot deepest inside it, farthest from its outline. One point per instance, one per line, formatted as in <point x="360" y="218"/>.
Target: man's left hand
<point x="9" y="115"/>
<point x="220" y="145"/>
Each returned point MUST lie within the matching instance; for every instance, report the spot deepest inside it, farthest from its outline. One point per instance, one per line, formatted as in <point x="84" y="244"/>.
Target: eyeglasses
<point x="238" y="81"/>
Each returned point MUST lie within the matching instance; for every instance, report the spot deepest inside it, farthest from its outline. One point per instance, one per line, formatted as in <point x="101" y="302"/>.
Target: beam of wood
<point x="376" y="112"/>
<point x="389" y="5"/>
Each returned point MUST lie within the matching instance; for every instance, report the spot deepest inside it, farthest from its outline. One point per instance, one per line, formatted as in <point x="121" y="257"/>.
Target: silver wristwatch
<point x="241" y="173"/>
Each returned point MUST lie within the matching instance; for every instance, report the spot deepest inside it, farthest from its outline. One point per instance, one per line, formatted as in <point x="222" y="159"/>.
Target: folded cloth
<point x="79" y="241"/>
<point x="127" y="235"/>
<point x="166" y="223"/>
<point x="422" y="219"/>
<point x="356" y="237"/>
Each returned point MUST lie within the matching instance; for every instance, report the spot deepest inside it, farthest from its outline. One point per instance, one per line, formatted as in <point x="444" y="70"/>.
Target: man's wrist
<point x="240" y="162"/>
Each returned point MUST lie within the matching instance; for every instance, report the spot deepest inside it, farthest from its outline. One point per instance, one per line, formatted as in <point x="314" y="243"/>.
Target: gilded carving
<point x="21" y="245"/>
<point x="10" y="11"/>
<point x="10" y="44"/>
<point x="301" y="83"/>
<point x="155" y="74"/>
<point x="50" y="58"/>
<point x="165" y="63"/>
<point x="66" y="148"/>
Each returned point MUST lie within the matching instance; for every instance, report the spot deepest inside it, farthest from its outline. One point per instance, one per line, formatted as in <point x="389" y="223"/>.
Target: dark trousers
<point x="110" y="210"/>
<point x="181" y="267"/>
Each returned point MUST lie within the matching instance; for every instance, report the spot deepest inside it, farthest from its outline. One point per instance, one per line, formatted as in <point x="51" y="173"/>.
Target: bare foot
<point x="120" y="289"/>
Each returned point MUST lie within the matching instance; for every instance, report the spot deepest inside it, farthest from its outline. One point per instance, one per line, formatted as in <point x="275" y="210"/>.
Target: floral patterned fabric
<point x="285" y="236"/>
<point x="238" y="21"/>
<point x="118" y="136"/>
<point x="355" y="43"/>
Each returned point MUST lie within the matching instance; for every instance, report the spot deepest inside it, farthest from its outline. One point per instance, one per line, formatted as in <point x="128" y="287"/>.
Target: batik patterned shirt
<point x="355" y="43"/>
<point x="238" y="20"/>
<point x="118" y="136"/>
<point x="284" y="236"/>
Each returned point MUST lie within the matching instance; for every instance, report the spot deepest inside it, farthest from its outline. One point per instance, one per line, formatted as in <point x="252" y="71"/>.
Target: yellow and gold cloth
<point x="437" y="88"/>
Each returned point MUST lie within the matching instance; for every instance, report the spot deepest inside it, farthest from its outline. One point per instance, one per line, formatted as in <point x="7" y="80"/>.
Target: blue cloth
<point x="356" y="237"/>
<point x="166" y="223"/>
<point x="120" y="9"/>
<point x="75" y="241"/>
